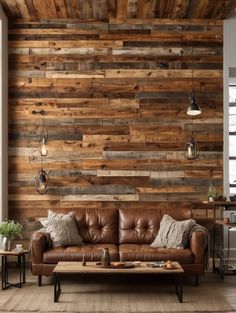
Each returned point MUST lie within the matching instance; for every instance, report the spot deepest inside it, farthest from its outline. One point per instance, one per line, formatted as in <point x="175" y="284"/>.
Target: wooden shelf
<point x="221" y="222"/>
<point x="223" y="203"/>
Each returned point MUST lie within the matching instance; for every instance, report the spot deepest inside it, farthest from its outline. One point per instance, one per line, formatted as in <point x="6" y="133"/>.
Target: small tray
<point x="118" y="266"/>
<point x="157" y="264"/>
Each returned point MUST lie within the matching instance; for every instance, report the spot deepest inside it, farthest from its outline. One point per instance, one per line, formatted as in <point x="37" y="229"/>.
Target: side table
<point x="21" y="262"/>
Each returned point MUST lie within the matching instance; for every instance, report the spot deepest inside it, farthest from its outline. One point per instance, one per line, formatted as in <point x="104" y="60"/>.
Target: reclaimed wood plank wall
<point x="115" y="94"/>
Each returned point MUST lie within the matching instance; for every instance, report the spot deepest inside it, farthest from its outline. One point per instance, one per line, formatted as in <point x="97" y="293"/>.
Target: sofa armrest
<point x="197" y="244"/>
<point x="38" y="246"/>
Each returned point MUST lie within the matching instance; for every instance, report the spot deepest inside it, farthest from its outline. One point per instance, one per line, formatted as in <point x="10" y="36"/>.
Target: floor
<point x="227" y="286"/>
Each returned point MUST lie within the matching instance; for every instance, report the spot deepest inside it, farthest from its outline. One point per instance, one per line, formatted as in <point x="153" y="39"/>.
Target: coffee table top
<point x="91" y="267"/>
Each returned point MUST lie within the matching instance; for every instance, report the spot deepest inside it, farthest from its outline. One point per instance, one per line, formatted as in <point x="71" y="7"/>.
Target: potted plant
<point x="212" y="193"/>
<point x="9" y="230"/>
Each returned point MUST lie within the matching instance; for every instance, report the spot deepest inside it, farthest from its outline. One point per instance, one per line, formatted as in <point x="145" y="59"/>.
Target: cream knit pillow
<point x="172" y="233"/>
<point x="62" y="229"/>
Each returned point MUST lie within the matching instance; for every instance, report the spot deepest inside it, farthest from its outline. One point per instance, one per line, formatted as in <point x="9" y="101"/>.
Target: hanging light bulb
<point x="43" y="147"/>
<point x="43" y="139"/>
<point x="42" y="176"/>
<point x="193" y="108"/>
<point x="42" y="182"/>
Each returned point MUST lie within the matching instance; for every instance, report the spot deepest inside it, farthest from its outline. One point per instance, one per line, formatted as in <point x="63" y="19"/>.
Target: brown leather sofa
<point x="127" y="233"/>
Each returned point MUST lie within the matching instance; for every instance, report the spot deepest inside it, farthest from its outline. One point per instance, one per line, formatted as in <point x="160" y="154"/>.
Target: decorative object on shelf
<point x="105" y="258"/>
<point x="9" y="230"/>
<point x="191" y="148"/>
<point x="42" y="176"/>
<point x="212" y="192"/>
<point x="193" y="108"/>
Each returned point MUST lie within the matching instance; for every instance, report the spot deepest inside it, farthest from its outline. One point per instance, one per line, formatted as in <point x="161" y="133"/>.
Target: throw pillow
<point x="62" y="229"/>
<point x="172" y="233"/>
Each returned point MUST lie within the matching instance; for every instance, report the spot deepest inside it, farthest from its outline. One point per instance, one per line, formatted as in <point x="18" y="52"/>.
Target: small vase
<point x="6" y="243"/>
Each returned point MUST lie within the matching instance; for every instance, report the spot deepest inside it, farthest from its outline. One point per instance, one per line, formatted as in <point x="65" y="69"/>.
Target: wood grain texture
<point x="104" y="9"/>
<point x="115" y="100"/>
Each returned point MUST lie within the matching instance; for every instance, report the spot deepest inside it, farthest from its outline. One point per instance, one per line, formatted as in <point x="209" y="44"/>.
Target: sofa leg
<point x="196" y="280"/>
<point x="39" y="280"/>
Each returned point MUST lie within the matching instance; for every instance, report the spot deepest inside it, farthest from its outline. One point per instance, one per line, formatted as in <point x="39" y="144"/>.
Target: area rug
<point x="112" y="295"/>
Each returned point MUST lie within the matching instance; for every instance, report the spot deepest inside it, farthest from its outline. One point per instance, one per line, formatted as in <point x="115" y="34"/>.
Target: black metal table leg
<point x="179" y="286"/>
<point x="4" y="277"/>
<point x="20" y="270"/>
<point x="20" y="264"/>
<point x="57" y="287"/>
<point x="23" y="267"/>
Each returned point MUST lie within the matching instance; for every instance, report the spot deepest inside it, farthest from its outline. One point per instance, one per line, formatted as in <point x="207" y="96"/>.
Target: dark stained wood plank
<point x="115" y="107"/>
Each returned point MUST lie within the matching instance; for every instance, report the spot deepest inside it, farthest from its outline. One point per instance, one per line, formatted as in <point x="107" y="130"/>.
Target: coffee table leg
<point x="57" y="288"/>
<point x="179" y="286"/>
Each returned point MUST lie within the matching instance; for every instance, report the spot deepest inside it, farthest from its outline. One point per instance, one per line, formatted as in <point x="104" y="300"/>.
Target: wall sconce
<point x="42" y="176"/>
<point x="193" y="108"/>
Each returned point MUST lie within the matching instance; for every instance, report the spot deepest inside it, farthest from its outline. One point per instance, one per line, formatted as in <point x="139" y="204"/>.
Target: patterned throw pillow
<point x="62" y="229"/>
<point x="172" y="233"/>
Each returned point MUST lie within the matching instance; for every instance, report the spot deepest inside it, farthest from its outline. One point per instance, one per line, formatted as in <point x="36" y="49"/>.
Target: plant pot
<point x="6" y="243"/>
<point x="211" y="199"/>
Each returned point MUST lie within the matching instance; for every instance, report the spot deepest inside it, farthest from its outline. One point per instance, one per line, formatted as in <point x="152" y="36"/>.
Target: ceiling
<point x="104" y="9"/>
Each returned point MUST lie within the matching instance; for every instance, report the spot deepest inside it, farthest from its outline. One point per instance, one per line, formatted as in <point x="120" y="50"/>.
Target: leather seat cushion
<point x="144" y="252"/>
<point x="92" y="252"/>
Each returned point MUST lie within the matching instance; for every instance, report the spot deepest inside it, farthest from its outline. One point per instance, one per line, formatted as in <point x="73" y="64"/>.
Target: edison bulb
<point x="43" y="147"/>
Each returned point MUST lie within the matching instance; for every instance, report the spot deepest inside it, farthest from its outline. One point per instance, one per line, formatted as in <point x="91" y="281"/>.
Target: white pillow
<point x="62" y="229"/>
<point x="172" y="233"/>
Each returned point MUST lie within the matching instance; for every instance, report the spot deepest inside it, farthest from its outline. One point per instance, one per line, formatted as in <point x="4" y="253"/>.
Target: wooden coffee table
<point x="63" y="269"/>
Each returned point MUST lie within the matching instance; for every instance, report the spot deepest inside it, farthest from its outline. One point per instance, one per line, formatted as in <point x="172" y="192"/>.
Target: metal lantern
<point x="42" y="182"/>
<point x="191" y="149"/>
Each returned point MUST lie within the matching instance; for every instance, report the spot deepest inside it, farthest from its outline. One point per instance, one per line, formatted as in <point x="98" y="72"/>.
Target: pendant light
<point x="193" y="108"/>
<point x="42" y="176"/>
<point x="43" y="139"/>
<point x="191" y="148"/>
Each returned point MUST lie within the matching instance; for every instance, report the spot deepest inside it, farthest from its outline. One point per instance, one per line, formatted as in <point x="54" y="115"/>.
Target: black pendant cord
<point x="41" y="161"/>
<point x="192" y="73"/>
<point x="44" y="133"/>
<point x="192" y="127"/>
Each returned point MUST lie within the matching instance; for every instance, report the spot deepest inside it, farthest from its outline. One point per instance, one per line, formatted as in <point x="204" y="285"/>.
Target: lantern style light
<point x="42" y="182"/>
<point x="191" y="149"/>
<point x="42" y="176"/>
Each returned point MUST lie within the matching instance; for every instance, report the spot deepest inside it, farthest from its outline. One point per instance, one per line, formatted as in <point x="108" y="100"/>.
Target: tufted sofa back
<point x="98" y="225"/>
<point x="140" y="226"/>
<point x="124" y="226"/>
